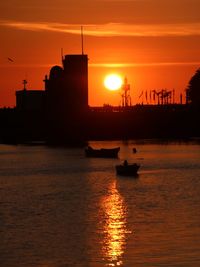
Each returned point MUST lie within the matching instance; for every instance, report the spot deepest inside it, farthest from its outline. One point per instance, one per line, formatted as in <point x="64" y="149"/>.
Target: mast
<point x="24" y="83"/>
<point x="82" y="39"/>
<point x="62" y="53"/>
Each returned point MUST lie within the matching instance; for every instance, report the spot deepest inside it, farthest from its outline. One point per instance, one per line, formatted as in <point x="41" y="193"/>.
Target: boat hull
<point x="102" y="153"/>
<point x="128" y="170"/>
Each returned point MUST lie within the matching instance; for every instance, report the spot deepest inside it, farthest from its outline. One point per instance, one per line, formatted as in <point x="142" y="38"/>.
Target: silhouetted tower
<point x="67" y="87"/>
<point x="67" y="97"/>
<point x="75" y="69"/>
<point x="126" y="98"/>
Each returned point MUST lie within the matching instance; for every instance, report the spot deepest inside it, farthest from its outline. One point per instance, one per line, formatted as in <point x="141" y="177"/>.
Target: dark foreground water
<point x="58" y="208"/>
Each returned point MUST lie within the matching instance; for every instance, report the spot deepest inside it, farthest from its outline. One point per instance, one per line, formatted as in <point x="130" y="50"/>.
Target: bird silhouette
<point x="10" y="59"/>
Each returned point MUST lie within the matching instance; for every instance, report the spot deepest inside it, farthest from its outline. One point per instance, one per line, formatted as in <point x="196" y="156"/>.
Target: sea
<point x="59" y="208"/>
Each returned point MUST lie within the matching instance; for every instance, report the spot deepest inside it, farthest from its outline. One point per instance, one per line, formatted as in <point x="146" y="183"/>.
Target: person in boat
<point x="134" y="150"/>
<point x="125" y="163"/>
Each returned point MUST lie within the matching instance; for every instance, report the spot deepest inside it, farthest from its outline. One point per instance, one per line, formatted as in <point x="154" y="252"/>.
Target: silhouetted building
<point x="67" y="98"/>
<point x="30" y="100"/>
<point x="67" y="87"/>
<point x="61" y="115"/>
<point x="76" y="80"/>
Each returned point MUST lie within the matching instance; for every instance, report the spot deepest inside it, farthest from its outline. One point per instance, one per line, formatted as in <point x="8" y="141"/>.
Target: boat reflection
<point x="115" y="228"/>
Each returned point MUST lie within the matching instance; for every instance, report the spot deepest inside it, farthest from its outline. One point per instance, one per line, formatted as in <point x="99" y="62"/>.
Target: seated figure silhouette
<point x="125" y="163"/>
<point x="134" y="150"/>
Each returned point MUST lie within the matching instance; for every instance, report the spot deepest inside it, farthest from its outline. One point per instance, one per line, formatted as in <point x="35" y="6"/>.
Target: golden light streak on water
<point x="115" y="226"/>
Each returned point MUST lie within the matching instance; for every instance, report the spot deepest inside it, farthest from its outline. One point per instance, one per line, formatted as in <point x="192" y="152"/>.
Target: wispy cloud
<point x="133" y="65"/>
<point x="106" y="65"/>
<point x="110" y="29"/>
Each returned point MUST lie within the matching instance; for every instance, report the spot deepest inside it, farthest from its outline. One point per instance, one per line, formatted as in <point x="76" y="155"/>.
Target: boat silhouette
<point x="102" y="152"/>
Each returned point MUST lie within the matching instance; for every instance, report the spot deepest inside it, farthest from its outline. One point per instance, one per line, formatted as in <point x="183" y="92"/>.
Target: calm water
<point x="58" y="208"/>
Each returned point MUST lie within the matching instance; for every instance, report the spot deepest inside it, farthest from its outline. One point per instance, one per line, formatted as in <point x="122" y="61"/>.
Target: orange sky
<point x="154" y="43"/>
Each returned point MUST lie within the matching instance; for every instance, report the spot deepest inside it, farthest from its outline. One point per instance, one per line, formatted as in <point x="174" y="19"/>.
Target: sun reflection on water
<point x="115" y="228"/>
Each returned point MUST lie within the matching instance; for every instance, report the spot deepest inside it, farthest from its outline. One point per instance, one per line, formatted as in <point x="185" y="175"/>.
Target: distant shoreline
<point x="164" y="122"/>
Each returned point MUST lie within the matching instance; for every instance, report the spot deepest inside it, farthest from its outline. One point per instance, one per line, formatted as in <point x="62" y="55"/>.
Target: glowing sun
<point x="113" y="82"/>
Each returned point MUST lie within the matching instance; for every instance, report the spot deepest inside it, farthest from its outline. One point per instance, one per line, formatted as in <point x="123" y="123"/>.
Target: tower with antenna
<point x="66" y="89"/>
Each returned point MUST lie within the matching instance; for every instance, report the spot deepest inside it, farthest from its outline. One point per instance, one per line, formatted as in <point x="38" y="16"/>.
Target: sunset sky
<point x="154" y="43"/>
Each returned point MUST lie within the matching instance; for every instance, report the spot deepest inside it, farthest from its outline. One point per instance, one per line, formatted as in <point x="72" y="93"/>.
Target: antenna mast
<point x="24" y="83"/>
<point x="82" y="39"/>
<point x="62" y="54"/>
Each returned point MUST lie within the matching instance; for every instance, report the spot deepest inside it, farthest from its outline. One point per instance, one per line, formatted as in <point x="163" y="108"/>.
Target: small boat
<point x="126" y="169"/>
<point x="102" y="152"/>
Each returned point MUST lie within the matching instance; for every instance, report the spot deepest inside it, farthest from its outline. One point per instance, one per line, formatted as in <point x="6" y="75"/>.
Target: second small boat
<point x="102" y="152"/>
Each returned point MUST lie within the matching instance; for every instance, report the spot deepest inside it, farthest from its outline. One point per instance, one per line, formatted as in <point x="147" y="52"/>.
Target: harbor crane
<point x="126" y="98"/>
<point x="164" y="97"/>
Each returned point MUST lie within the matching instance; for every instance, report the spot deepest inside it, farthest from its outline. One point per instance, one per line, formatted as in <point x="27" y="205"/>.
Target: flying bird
<point x="10" y="59"/>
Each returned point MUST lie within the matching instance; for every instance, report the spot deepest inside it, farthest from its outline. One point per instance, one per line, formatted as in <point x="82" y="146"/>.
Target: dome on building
<point x="55" y="72"/>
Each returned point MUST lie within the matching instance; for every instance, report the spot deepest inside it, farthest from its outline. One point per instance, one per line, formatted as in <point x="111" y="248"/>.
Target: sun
<point x="113" y="82"/>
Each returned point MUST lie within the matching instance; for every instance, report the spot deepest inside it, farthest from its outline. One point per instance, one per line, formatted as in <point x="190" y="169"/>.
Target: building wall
<point x="32" y="100"/>
<point x="67" y="98"/>
<point x="76" y="79"/>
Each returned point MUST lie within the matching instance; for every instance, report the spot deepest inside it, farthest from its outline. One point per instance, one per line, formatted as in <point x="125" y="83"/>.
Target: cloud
<point x="133" y="65"/>
<point x="110" y="29"/>
<point x="106" y="65"/>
